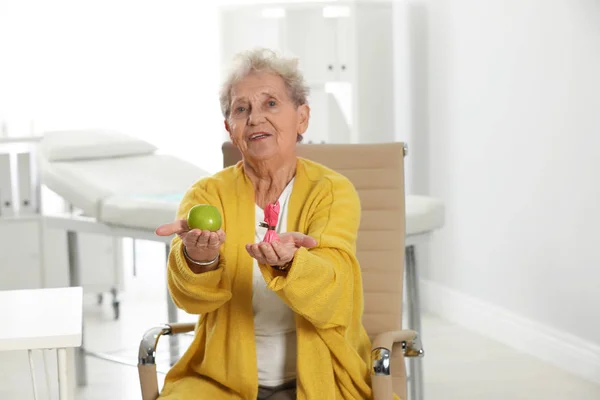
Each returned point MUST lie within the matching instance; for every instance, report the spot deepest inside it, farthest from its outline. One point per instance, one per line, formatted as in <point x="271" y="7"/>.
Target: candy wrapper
<point x="271" y="219"/>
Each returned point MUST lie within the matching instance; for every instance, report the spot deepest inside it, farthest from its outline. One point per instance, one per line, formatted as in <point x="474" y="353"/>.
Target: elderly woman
<point x="279" y="319"/>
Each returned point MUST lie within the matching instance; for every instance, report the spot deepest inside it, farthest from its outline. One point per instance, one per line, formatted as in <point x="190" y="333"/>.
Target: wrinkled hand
<point x="200" y="245"/>
<point x="280" y="252"/>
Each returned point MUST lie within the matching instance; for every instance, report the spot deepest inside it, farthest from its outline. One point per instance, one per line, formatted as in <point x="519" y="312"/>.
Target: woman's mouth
<point x="256" y="136"/>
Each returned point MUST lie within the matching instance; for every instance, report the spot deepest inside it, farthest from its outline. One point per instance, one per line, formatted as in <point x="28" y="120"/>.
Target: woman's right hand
<point x="202" y="246"/>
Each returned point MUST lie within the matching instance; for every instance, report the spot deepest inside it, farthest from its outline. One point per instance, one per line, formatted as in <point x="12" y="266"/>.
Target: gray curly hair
<point x="264" y="60"/>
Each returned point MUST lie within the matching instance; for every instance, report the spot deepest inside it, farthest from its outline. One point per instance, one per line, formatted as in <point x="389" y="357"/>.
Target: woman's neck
<point x="269" y="179"/>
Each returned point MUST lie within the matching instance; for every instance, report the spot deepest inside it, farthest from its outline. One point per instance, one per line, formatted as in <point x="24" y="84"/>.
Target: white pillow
<point x="91" y="144"/>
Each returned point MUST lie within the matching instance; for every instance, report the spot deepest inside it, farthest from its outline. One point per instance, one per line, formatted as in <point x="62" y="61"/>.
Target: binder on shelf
<point x="26" y="189"/>
<point x="7" y="208"/>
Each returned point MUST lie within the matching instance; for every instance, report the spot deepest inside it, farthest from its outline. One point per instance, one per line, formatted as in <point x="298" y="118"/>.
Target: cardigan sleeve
<point x="196" y="293"/>
<point x="321" y="282"/>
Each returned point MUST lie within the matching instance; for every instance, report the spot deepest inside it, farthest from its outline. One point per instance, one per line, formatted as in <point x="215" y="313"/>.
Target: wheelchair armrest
<point x="381" y="353"/>
<point x="147" y="355"/>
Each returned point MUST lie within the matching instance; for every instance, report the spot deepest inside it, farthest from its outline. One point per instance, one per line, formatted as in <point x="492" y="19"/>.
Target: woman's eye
<point x="240" y="109"/>
<point x="272" y="103"/>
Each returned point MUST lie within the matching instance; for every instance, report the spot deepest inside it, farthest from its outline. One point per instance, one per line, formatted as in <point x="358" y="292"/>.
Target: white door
<point x="344" y="41"/>
<point x="247" y="28"/>
<point x="318" y="126"/>
<point x="311" y="38"/>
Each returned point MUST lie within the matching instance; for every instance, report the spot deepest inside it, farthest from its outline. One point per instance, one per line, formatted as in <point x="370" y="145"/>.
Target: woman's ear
<point x="304" y="116"/>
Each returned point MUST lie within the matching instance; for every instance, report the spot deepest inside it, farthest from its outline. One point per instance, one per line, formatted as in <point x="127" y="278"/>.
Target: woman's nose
<point x="256" y="117"/>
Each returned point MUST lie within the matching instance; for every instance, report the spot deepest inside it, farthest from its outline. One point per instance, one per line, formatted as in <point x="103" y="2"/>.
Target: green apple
<point x="204" y="217"/>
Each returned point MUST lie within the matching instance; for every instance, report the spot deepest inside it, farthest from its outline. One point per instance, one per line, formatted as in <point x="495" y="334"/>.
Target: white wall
<point x="509" y="138"/>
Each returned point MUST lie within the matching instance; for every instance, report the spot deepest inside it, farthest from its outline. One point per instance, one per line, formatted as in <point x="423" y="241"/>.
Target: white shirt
<point x="274" y="322"/>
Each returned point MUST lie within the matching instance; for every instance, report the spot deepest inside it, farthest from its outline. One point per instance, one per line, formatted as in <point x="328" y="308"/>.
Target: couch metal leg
<point x="116" y="302"/>
<point x="414" y="322"/>
<point x="75" y="280"/>
<point x="172" y="318"/>
<point x="134" y="259"/>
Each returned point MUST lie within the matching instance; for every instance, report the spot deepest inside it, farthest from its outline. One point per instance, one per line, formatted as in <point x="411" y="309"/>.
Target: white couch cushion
<point x="91" y="144"/>
<point x="152" y="178"/>
<point x="423" y="214"/>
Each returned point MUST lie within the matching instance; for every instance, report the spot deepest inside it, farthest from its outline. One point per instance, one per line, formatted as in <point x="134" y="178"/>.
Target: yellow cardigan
<point x="323" y="287"/>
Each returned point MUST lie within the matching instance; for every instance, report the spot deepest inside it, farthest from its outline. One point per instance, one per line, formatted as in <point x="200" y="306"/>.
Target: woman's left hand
<point x="280" y="252"/>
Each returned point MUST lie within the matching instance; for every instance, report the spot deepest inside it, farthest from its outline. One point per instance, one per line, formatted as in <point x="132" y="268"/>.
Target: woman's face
<point x="264" y="122"/>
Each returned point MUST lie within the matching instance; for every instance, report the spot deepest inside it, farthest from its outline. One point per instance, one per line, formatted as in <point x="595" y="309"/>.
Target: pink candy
<point x="271" y="219"/>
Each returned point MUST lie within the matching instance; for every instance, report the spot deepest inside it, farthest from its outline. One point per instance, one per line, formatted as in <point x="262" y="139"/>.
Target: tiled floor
<point x="458" y="364"/>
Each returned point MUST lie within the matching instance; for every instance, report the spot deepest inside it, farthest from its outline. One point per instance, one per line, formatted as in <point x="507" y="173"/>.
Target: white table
<point x="43" y="319"/>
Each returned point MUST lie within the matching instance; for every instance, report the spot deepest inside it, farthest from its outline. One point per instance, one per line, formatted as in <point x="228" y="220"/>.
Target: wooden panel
<point x="382" y="281"/>
<point x="377" y="323"/>
<point x="344" y="156"/>
<point x="382" y="220"/>
<point x="341" y="156"/>
<point x="375" y="240"/>
<point x="373" y="178"/>
<point x="381" y="199"/>
<point x="383" y="303"/>
<point x="381" y="260"/>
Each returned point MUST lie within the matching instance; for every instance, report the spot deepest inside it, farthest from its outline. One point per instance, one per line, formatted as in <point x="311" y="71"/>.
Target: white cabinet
<point x="34" y="256"/>
<point x="20" y="254"/>
<point x="100" y="261"/>
<point x="345" y="50"/>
